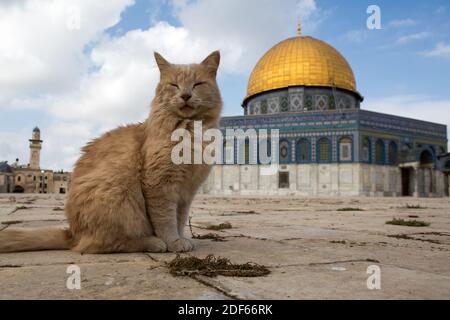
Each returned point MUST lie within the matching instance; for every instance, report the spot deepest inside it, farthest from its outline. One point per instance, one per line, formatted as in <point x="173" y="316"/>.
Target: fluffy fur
<point x="126" y="194"/>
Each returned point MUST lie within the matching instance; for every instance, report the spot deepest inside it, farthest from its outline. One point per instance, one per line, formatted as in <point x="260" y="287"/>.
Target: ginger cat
<point x="126" y="194"/>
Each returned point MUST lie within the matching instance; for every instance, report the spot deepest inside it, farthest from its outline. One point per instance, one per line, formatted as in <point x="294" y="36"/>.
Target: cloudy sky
<point x="77" y="68"/>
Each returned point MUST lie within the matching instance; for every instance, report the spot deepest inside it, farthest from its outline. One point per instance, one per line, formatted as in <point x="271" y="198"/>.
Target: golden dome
<point x="301" y="61"/>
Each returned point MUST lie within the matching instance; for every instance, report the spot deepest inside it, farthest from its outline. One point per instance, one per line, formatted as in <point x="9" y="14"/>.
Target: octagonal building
<point x="328" y="145"/>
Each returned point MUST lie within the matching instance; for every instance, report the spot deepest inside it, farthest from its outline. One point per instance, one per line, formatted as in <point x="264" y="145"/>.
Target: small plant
<point x="349" y="209"/>
<point x="408" y="223"/>
<point x="414" y="206"/>
<point x="222" y="226"/>
<point x="339" y="241"/>
<point x="212" y="266"/>
<point x="210" y="236"/>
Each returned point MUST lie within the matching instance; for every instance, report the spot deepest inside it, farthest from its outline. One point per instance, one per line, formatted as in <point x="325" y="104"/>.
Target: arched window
<point x="366" y="150"/>
<point x="284" y="151"/>
<point x="264" y="150"/>
<point x="264" y="107"/>
<point x="19" y="178"/>
<point x="392" y="153"/>
<point x="345" y="149"/>
<point x="379" y="152"/>
<point x="303" y="151"/>
<point x="426" y="157"/>
<point x="228" y="152"/>
<point x="323" y="150"/>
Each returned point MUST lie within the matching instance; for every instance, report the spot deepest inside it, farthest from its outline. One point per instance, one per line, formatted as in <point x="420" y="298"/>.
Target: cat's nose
<point x="186" y="96"/>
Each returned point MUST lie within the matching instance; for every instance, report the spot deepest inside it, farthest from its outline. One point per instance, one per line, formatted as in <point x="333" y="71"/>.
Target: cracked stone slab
<point x="49" y="258"/>
<point x="128" y="280"/>
<point x="336" y="281"/>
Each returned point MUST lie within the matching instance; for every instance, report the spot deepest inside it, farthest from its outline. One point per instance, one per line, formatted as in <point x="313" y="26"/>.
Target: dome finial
<point x="299" y="27"/>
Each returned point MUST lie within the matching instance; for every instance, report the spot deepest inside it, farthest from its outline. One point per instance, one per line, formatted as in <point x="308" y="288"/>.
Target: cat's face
<point x="189" y="91"/>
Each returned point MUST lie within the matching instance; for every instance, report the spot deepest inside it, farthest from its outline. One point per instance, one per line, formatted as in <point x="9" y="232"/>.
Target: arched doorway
<point x="407" y="186"/>
<point x="19" y="189"/>
<point x="447" y="178"/>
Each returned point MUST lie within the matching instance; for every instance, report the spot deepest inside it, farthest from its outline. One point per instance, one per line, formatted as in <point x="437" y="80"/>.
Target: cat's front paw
<point x="156" y="245"/>
<point x="181" y="245"/>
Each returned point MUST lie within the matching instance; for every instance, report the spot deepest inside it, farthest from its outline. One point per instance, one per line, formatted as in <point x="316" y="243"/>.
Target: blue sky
<point x="401" y="69"/>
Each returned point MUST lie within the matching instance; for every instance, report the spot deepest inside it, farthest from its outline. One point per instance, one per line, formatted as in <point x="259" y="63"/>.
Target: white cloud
<point x="247" y="28"/>
<point x="39" y="53"/>
<point x="403" y="23"/>
<point x="419" y="107"/>
<point x="14" y="145"/>
<point x="441" y="50"/>
<point x="121" y="88"/>
<point x="413" y="37"/>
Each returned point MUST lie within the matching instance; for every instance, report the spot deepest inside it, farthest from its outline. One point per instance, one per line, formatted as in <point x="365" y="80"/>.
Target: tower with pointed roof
<point x="35" y="149"/>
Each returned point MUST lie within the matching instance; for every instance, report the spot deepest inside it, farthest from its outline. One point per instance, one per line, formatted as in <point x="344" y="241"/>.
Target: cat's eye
<point x="174" y="85"/>
<point x="199" y="84"/>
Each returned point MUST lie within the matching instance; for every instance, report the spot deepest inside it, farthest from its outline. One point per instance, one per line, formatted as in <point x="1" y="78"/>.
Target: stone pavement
<point x="314" y="251"/>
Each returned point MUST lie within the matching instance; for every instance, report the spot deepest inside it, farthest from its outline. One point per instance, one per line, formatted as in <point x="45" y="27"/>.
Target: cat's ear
<point x="212" y="62"/>
<point x="162" y="63"/>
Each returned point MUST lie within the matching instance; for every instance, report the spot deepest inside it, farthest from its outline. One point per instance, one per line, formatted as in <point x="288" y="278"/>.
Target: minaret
<point x="35" y="148"/>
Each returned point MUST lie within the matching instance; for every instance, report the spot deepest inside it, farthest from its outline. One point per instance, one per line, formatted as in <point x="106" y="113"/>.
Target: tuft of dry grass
<point x="212" y="266"/>
<point x="349" y="209"/>
<point x="222" y="226"/>
<point x="408" y="223"/>
<point x="209" y="236"/>
<point x="414" y="206"/>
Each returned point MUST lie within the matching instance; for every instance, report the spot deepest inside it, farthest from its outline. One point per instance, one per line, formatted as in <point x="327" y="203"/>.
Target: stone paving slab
<point x="313" y="251"/>
<point x="102" y="280"/>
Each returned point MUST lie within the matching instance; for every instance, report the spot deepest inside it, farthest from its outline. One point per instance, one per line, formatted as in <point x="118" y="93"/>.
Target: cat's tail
<point x="19" y="240"/>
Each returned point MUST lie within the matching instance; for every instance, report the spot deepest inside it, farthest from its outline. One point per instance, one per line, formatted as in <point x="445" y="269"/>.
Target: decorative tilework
<point x="341" y="103"/>
<point x="251" y="108"/>
<point x="257" y="108"/>
<point x="321" y="102"/>
<point x="336" y="124"/>
<point x="284" y="104"/>
<point x="334" y="150"/>
<point x="264" y="107"/>
<point x="274" y="105"/>
<point x="331" y="102"/>
<point x="296" y="102"/>
<point x="313" y="148"/>
<point x="309" y="102"/>
<point x="303" y="99"/>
